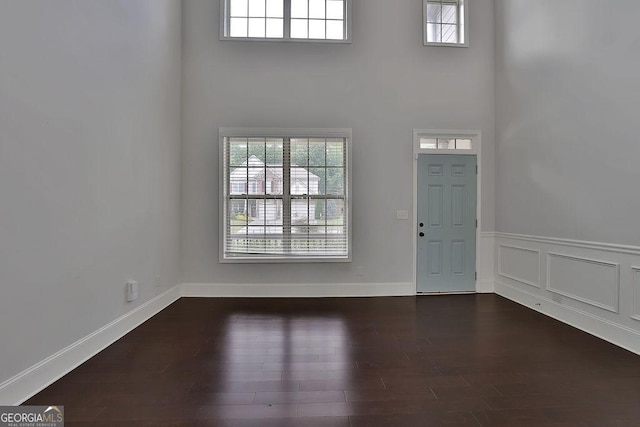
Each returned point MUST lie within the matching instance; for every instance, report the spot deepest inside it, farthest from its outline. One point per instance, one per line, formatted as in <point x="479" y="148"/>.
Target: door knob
<point x="421" y="234"/>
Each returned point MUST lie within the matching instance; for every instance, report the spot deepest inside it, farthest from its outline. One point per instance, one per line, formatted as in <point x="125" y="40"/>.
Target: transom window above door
<point x="286" y="20"/>
<point x="445" y="143"/>
<point x="427" y="141"/>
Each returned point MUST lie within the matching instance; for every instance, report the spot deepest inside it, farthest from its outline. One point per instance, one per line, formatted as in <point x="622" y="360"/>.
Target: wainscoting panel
<point x="587" y="280"/>
<point x="590" y="285"/>
<point x="636" y="293"/>
<point x="519" y="264"/>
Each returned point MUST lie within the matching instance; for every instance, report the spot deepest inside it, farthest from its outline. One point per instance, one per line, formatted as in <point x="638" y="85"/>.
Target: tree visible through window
<point x="285" y="197"/>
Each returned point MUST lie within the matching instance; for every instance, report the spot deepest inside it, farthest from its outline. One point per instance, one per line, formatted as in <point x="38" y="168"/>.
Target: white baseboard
<point x="22" y="386"/>
<point x="485" y="286"/>
<point x="284" y="290"/>
<point x="614" y="333"/>
<point x="27" y="383"/>
<point x="486" y="258"/>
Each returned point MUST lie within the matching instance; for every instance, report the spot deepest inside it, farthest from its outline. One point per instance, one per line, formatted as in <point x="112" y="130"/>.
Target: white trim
<point x="32" y="380"/>
<point x="474" y="135"/>
<point x="635" y="313"/>
<point x="458" y="25"/>
<point x="267" y="132"/>
<point x="476" y="150"/>
<point x="616" y="266"/>
<point x="296" y="290"/>
<point x="608" y="247"/>
<point x="590" y="304"/>
<point x="617" y="334"/>
<point x="518" y="279"/>
<point x="485" y="286"/>
<point x="486" y="263"/>
<point x="286" y="36"/>
<point x="22" y="386"/>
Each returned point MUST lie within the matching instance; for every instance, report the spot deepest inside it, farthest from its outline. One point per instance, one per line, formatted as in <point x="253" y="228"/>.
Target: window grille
<point x="285" y="197"/>
<point x="445" y="22"/>
<point x="286" y="20"/>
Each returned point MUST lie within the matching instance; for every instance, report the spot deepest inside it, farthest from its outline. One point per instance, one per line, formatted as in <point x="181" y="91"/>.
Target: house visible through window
<point x="288" y="20"/>
<point x="445" y="22"/>
<point x="285" y="197"/>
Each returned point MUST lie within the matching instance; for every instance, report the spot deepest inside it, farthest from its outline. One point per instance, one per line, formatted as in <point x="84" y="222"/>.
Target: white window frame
<point x="224" y="26"/>
<point x="463" y="20"/>
<point x="304" y="133"/>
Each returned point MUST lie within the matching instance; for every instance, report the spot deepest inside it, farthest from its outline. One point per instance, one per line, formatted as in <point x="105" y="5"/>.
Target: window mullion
<point x="227" y="18"/>
<point x="287" y="19"/>
<point x="345" y="28"/>
<point x="458" y="10"/>
<point x="265" y="18"/>
<point x="286" y="194"/>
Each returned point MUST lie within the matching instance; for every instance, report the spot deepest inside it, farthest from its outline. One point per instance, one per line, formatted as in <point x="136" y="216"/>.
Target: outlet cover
<point x="132" y="290"/>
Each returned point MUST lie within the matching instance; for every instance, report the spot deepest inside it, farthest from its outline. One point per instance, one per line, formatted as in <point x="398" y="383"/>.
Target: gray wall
<point x="567" y="119"/>
<point x="383" y="85"/>
<point x="89" y="166"/>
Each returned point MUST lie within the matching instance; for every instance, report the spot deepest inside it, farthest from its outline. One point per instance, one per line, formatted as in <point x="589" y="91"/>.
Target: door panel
<point x="435" y="258"/>
<point x="457" y="257"/>
<point x="434" y="203"/>
<point x="446" y="223"/>
<point x="458" y="194"/>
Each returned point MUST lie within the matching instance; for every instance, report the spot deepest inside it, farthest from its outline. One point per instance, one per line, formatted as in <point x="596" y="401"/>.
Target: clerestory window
<point x="445" y="22"/>
<point x="286" y="20"/>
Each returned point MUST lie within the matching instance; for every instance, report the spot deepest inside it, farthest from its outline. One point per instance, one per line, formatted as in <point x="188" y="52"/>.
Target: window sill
<point x="446" y="44"/>
<point x="283" y="260"/>
<point x="283" y="40"/>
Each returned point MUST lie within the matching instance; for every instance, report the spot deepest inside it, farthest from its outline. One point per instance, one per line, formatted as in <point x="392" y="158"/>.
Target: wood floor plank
<point x="464" y="360"/>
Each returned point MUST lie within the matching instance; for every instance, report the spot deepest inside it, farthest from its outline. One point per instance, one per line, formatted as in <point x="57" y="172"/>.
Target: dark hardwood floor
<point x="472" y="360"/>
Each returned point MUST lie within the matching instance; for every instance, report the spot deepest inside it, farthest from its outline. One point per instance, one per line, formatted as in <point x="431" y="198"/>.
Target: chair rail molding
<point x="608" y="247"/>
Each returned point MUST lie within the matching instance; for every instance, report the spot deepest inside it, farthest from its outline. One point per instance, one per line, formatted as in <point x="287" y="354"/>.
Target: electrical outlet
<point x="157" y="281"/>
<point x="359" y="270"/>
<point x="132" y="290"/>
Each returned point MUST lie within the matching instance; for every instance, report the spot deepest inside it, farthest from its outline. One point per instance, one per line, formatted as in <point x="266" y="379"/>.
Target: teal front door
<point x="446" y="223"/>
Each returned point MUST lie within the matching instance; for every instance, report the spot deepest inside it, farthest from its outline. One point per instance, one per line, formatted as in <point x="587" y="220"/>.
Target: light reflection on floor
<point x="285" y="351"/>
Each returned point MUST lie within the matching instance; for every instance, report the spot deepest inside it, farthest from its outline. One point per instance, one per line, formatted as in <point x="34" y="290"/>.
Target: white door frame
<point x="476" y="145"/>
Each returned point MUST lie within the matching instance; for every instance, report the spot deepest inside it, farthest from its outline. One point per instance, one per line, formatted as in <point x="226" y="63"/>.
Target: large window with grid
<point x="445" y="22"/>
<point x="285" y="20"/>
<point x="285" y="195"/>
